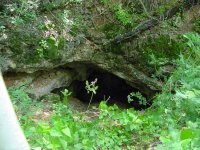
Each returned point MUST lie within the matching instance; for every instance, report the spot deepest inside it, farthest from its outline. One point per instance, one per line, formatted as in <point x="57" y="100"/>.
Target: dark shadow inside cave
<point x="110" y="87"/>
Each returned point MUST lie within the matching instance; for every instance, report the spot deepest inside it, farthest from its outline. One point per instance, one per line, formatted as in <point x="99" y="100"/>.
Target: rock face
<point x="43" y="46"/>
<point x="43" y="82"/>
<point x="48" y="81"/>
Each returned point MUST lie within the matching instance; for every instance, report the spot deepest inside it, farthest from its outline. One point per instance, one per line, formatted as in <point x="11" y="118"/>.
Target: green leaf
<point x="66" y="131"/>
<point x="78" y="146"/>
<point x="186" y="134"/>
<point x="132" y="126"/>
<point x="55" y="133"/>
<point x="185" y="143"/>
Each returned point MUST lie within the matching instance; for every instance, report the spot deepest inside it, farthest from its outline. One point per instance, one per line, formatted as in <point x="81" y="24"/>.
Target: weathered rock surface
<point x="22" y="50"/>
<point x="43" y="82"/>
<point x="84" y="54"/>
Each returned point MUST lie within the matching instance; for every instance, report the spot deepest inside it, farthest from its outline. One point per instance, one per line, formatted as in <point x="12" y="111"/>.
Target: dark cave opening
<point x="110" y="88"/>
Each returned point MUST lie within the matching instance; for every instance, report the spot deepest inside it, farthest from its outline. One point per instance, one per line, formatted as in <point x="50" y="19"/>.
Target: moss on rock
<point x="162" y="47"/>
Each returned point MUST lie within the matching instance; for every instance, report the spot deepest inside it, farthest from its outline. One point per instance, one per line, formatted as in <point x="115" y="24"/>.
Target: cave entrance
<point x="110" y="88"/>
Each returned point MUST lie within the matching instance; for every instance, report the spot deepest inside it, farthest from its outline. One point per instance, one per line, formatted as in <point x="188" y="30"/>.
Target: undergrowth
<point x="172" y="122"/>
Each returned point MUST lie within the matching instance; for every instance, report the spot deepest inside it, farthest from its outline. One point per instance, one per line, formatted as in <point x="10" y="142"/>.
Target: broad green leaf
<point x="186" y="134"/>
<point x="55" y="133"/>
<point x="66" y="131"/>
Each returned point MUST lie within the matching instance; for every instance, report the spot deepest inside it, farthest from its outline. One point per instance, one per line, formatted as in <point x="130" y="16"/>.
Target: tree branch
<point x="149" y="24"/>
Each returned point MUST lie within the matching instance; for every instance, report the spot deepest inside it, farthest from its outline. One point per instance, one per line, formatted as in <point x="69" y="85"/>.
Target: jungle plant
<point x="66" y="93"/>
<point x="139" y="96"/>
<point x="49" y="48"/>
<point x="181" y="109"/>
<point x="91" y="88"/>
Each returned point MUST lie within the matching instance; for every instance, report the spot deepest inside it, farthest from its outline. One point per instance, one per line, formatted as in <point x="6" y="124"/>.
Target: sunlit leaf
<point x="66" y="131"/>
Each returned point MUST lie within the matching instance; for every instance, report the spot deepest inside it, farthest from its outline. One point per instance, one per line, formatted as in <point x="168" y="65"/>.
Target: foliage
<point x="127" y="15"/>
<point x="163" y="47"/>
<point x="162" y="8"/>
<point x="2" y="29"/>
<point x="27" y="10"/>
<point x="122" y="15"/>
<point x="105" y="1"/>
<point x="138" y="95"/>
<point x="196" y="25"/>
<point x="66" y="93"/>
<point x="22" y="11"/>
<point x="182" y="108"/>
<point x="91" y="88"/>
<point x="22" y="102"/>
<point x="124" y="18"/>
<point x="43" y="46"/>
<point x="64" y="131"/>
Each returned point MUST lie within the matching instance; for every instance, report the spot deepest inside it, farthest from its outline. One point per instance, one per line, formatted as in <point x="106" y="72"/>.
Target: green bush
<point x="181" y="110"/>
